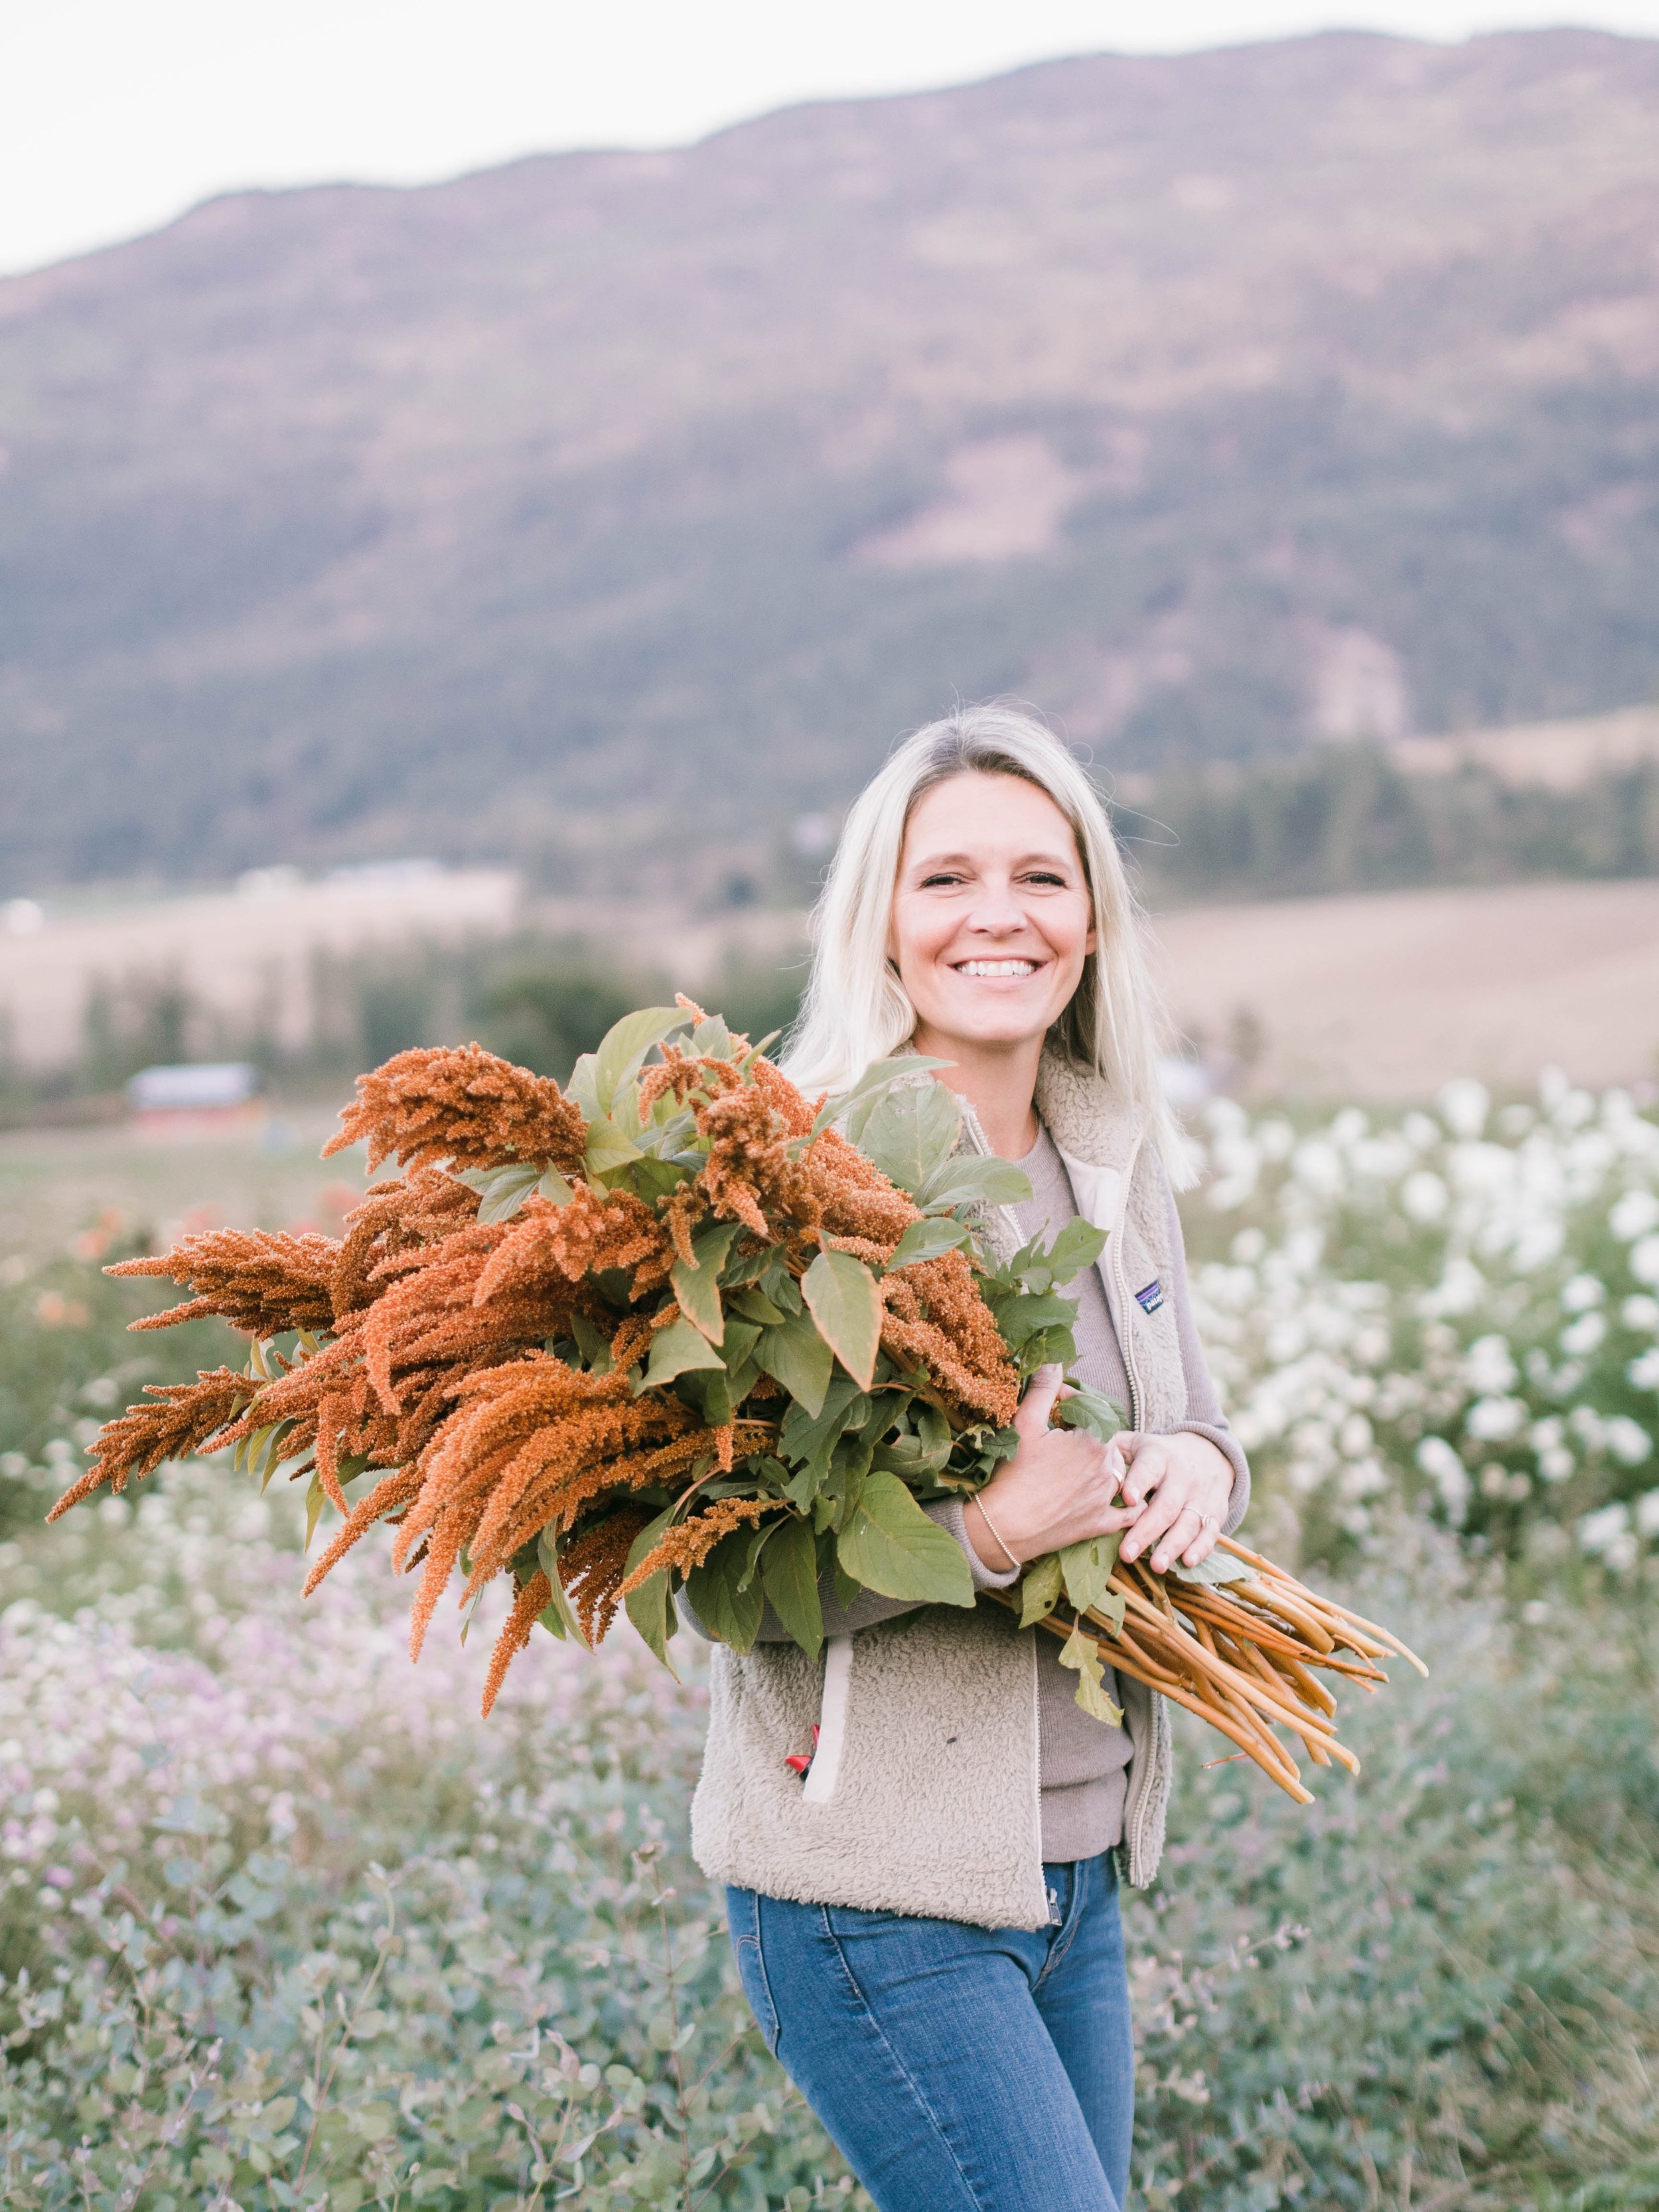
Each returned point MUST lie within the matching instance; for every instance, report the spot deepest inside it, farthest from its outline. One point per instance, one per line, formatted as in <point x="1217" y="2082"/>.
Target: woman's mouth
<point x="996" y="970"/>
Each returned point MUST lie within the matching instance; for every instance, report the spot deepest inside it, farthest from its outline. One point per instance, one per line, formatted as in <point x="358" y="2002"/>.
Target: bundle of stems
<point x="1240" y="1655"/>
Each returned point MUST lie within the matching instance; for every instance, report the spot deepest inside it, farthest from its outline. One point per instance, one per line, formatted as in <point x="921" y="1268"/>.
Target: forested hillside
<point x="609" y="512"/>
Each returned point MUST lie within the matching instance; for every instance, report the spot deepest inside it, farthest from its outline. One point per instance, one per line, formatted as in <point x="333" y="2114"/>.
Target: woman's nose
<point x="996" y="911"/>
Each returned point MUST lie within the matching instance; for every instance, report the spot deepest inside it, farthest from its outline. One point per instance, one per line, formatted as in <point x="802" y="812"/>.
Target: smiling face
<point x="993" y="918"/>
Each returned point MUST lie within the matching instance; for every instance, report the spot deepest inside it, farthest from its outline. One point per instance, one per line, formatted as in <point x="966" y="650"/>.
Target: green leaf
<point x="806" y="1437"/>
<point x="622" y="1048"/>
<point x="739" y="1341"/>
<point x="1219" y="1567"/>
<point x="1092" y="1410"/>
<point x="316" y="1499"/>
<point x="1087" y="1568"/>
<point x="927" y="1240"/>
<point x="755" y="1306"/>
<point x="554" y="1186"/>
<point x="676" y="1349"/>
<point x="502" y="1191"/>
<point x="794" y="1354"/>
<point x="869" y="1087"/>
<point x="975" y="1179"/>
<point x="651" y="1607"/>
<point x="1078" y="1652"/>
<point x="1022" y="1317"/>
<point x="1077" y="1246"/>
<point x="698" y="1287"/>
<point x="910" y="1133"/>
<point x="583" y="1086"/>
<point x="1111" y="1610"/>
<point x="843" y="1299"/>
<point x="607" y="1147"/>
<point x="1040" y="1591"/>
<point x="731" y="1616"/>
<point x="789" y="1572"/>
<point x="890" y="1546"/>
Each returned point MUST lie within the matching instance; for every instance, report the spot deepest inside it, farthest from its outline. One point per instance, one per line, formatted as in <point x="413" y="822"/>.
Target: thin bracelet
<point x="996" y="1532"/>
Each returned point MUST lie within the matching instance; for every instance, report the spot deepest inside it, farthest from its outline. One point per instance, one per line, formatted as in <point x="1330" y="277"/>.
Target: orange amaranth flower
<point x="690" y="1544"/>
<point x="935" y="1317"/>
<point x="186" y="1418"/>
<point x="462" y="1104"/>
<point x="592" y="1233"/>
<point x="592" y="1566"/>
<point x="258" y="1280"/>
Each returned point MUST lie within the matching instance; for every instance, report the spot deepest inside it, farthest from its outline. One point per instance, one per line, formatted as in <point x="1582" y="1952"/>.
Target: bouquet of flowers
<point x="676" y="1326"/>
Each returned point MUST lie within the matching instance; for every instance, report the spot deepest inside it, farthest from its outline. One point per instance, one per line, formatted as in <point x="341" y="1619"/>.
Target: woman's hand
<point x="1060" y="1487"/>
<point x="1181" y="1485"/>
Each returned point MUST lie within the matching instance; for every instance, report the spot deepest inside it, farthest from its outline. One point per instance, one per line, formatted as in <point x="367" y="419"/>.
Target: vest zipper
<point x="1126" y="1302"/>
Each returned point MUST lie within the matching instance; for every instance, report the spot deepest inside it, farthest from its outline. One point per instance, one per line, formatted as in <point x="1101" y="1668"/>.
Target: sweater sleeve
<point x="1204" y="1416"/>
<point x="868" y="1609"/>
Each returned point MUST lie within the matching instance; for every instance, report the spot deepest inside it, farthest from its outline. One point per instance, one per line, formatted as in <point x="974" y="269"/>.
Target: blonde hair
<point x="856" y="1010"/>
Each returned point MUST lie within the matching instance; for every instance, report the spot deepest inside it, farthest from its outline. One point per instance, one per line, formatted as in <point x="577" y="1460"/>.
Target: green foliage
<point x="67" y="1362"/>
<point x="889" y="1544"/>
<point x="1345" y="818"/>
<point x="224" y="1923"/>
<point x="453" y="1969"/>
<point x="1441" y="1985"/>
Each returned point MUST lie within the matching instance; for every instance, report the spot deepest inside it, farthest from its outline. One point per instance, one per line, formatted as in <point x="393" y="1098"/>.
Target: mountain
<point x="609" y="512"/>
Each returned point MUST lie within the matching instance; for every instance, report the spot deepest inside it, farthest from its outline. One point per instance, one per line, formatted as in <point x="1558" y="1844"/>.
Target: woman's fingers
<point x="1037" y="1407"/>
<point x="1204" y="1543"/>
<point x="1159" y="1513"/>
<point x="1144" y="1459"/>
<point x="1185" y="1529"/>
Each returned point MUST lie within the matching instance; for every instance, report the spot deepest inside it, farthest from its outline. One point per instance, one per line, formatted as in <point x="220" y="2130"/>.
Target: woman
<point x="927" y="1925"/>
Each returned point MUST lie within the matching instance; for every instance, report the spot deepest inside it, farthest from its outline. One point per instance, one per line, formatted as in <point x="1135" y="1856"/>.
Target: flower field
<point x="1456" y="1312"/>
<point x="285" y="1925"/>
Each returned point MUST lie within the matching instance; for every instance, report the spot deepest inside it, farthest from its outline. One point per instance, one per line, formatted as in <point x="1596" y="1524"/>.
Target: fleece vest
<point x="923" y="1796"/>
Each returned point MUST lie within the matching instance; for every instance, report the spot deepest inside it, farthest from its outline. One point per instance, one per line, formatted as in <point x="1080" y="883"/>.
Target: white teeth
<point x="997" y="967"/>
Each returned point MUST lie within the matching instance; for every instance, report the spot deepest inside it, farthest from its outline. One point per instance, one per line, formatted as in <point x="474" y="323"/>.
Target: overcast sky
<point x="115" y="117"/>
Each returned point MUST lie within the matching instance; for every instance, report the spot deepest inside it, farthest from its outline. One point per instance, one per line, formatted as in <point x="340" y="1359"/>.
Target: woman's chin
<point x="990" y="1029"/>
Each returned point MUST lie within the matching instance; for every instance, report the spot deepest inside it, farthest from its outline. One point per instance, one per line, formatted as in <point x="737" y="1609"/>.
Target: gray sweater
<point x="1083" y="1762"/>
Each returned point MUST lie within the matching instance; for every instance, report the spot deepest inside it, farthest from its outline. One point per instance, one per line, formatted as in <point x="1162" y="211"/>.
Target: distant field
<point x="1386" y="996"/>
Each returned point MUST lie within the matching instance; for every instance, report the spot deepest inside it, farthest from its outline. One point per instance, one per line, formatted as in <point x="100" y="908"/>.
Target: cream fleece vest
<point x="923" y="1796"/>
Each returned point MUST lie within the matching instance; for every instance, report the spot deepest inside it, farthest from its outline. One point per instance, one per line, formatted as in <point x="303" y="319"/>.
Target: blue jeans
<point x="958" y="2069"/>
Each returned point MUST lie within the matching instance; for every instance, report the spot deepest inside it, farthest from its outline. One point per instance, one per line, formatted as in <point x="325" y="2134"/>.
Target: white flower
<point x="1448" y="1475"/>
<point x="1494" y="1420"/>
<point x="1354" y="1438"/>
<point x="1640" y="1313"/>
<point x="1584" y="1335"/>
<point x="1645" y="1260"/>
<point x="1580" y="1292"/>
<point x="1634" y="1215"/>
<point x="1423" y="1196"/>
<point x="1319" y="1165"/>
<point x="1643" y="1372"/>
<point x="1628" y="1440"/>
<point x="1488" y="1366"/>
<point x="1599" y="1531"/>
<point x="1463" y="1106"/>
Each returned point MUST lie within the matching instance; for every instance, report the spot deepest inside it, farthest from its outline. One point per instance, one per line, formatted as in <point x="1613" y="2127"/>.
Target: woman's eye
<point x="940" y="882"/>
<point x="1047" y="881"/>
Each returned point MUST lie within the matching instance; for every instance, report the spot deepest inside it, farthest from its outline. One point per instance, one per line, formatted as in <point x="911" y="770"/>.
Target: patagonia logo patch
<point x="1152" y="1298"/>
